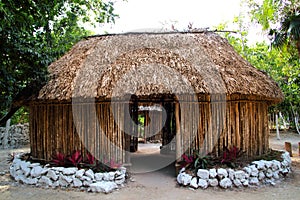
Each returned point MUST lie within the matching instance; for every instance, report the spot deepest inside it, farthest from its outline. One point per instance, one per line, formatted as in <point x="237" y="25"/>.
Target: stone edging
<point x="38" y="175"/>
<point x="256" y="173"/>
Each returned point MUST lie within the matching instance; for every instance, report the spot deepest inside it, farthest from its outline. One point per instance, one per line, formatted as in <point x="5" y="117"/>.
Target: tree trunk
<point x="296" y="119"/>
<point x="5" y="137"/>
<point x="283" y="120"/>
<point x="298" y="47"/>
<point x="277" y="127"/>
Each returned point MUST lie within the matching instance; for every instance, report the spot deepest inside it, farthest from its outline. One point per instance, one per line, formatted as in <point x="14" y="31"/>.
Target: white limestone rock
<point x="247" y="170"/>
<point x="260" y="164"/>
<point x="37" y="171"/>
<point x="98" y="176"/>
<point x="58" y="169"/>
<point x="276" y="165"/>
<point x="230" y="174"/>
<point x="45" y="180"/>
<point x="261" y="175"/>
<point x="34" y="165"/>
<point x="85" y="178"/>
<point x="20" y="178"/>
<point x="24" y="165"/>
<point x="90" y="173"/>
<point x="26" y="171"/>
<point x="184" y="179"/>
<point x="285" y="164"/>
<point x="103" y="186"/>
<point x="269" y="173"/>
<point x="51" y="174"/>
<point x="285" y="171"/>
<point x="69" y="170"/>
<point x="17" y="163"/>
<point x="213" y="173"/>
<point x="19" y="172"/>
<point x="245" y="182"/>
<point x="203" y="174"/>
<point x="120" y="179"/>
<point x="79" y="173"/>
<point x="77" y="182"/>
<point x="30" y="181"/>
<point x="253" y="181"/>
<point x="87" y="183"/>
<point x="68" y="179"/>
<point x="213" y="182"/>
<point x="286" y="156"/>
<point x="222" y="173"/>
<point x="111" y="175"/>
<point x="106" y="176"/>
<point x="237" y="183"/>
<point x="268" y="164"/>
<point x="225" y="183"/>
<point x="55" y="184"/>
<point x="63" y="183"/>
<point x="254" y="171"/>
<point x="270" y="181"/>
<point x="239" y="174"/>
<point x="194" y="183"/>
<point x="276" y="175"/>
<point x="202" y="183"/>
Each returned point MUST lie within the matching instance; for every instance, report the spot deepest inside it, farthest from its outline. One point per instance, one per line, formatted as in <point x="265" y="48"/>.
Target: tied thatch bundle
<point x="156" y="64"/>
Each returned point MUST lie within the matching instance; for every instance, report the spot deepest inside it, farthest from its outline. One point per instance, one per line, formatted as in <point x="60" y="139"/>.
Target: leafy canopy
<point x="35" y="33"/>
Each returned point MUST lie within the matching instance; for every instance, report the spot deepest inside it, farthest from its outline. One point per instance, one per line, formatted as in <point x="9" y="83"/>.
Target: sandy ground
<point x="160" y="184"/>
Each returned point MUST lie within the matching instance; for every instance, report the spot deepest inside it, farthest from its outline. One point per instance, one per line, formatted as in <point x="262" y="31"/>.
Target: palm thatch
<point x="147" y="64"/>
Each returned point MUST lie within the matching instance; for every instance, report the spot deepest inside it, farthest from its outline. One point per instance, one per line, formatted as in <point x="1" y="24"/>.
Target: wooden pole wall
<point x="201" y="126"/>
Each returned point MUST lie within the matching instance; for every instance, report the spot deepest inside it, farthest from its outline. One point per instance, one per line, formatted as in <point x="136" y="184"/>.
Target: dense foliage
<point x="281" y="18"/>
<point x="35" y="33"/>
<point x="282" y="64"/>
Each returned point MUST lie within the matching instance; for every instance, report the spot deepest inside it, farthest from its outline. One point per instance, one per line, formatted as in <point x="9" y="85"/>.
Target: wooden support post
<point x="288" y="148"/>
<point x="178" y="138"/>
<point x="178" y="133"/>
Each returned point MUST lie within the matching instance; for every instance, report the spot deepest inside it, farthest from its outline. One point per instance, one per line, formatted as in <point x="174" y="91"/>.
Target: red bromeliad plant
<point x="58" y="160"/>
<point x="75" y="159"/>
<point x="90" y="159"/>
<point x="231" y="155"/>
<point x="187" y="161"/>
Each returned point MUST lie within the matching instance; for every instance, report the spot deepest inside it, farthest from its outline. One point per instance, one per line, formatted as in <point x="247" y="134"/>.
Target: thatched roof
<point x="148" y="64"/>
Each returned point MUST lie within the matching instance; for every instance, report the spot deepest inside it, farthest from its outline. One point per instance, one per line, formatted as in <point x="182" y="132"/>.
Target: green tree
<point x="281" y="64"/>
<point x="281" y="18"/>
<point x="35" y="33"/>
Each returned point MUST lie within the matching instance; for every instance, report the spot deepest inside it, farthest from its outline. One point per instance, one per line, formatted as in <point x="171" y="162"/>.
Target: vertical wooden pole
<point x="288" y="148"/>
<point x="178" y="133"/>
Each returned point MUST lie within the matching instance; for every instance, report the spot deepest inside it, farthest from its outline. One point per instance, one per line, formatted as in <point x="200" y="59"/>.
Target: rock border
<point x="256" y="173"/>
<point x="71" y="177"/>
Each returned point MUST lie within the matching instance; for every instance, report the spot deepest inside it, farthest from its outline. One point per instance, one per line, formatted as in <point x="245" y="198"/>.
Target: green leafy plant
<point x="202" y="162"/>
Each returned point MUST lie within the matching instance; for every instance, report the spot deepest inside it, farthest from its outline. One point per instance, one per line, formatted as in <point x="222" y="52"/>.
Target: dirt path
<point x="160" y="185"/>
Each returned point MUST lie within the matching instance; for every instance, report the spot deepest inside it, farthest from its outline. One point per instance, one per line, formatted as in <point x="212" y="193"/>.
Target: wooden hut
<point x="212" y="98"/>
